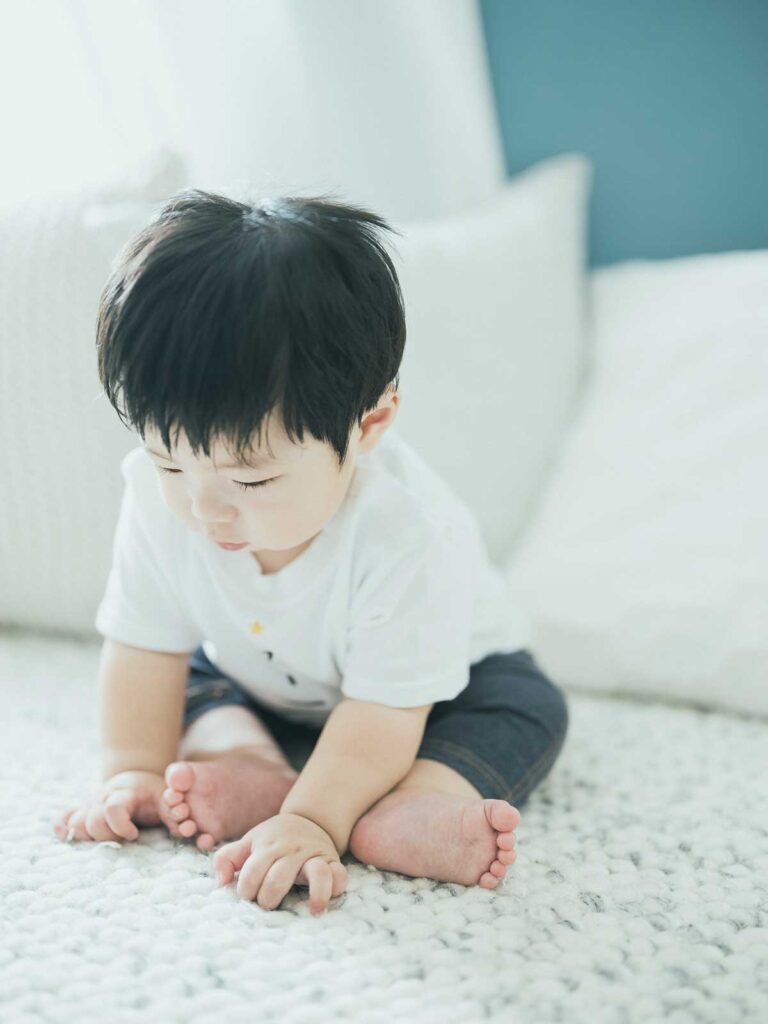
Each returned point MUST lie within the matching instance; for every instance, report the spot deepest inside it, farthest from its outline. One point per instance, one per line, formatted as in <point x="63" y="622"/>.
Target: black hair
<point x="219" y="312"/>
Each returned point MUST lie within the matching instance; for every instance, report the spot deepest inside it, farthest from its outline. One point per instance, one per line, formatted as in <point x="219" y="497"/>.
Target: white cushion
<point x="646" y="568"/>
<point x="61" y="439"/>
<point x="495" y="303"/>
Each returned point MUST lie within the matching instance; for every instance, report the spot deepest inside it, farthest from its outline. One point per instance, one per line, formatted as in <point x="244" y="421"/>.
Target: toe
<point x="506" y="856"/>
<point x="165" y="816"/>
<point x="172" y="797"/>
<point x="488" y="881"/>
<point x="498" y="869"/>
<point x="180" y="775"/>
<point x="506" y="840"/>
<point x="205" y="842"/>
<point x="502" y="816"/>
<point x="188" y="828"/>
<point x="180" y="812"/>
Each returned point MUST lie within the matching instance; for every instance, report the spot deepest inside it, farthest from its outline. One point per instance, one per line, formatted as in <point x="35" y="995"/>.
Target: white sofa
<point x="610" y="429"/>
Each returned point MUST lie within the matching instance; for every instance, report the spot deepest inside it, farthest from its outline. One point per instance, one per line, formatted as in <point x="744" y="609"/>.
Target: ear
<point x="375" y="423"/>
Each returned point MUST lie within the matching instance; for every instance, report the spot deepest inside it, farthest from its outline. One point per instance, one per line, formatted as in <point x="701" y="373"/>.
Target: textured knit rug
<point x="638" y="895"/>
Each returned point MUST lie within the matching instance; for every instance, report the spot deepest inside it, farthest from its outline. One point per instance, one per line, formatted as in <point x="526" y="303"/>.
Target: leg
<point x="220" y="717"/>
<point x="231" y="772"/>
<point x="503" y="732"/>
<point x="230" y="776"/>
<point x="230" y="729"/>
<point x="492" y="743"/>
<point x="432" y="775"/>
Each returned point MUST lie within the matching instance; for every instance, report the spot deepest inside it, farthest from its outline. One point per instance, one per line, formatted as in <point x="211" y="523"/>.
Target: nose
<point x="210" y="512"/>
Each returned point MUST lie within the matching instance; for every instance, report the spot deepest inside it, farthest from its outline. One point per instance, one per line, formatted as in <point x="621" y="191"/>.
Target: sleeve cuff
<point x="137" y="635"/>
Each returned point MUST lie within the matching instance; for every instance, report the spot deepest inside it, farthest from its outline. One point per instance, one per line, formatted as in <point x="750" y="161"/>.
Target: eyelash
<point x="246" y="487"/>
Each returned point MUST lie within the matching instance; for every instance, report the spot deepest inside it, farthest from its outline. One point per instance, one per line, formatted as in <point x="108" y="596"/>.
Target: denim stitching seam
<point x="524" y="783"/>
<point x="469" y="758"/>
<point x="549" y="753"/>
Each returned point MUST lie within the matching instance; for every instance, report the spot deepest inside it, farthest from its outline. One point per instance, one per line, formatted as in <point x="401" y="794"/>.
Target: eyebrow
<point x="258" y="461"/>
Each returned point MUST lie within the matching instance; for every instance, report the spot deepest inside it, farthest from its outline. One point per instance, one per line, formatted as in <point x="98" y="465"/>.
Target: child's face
<point x="305" y="486"/>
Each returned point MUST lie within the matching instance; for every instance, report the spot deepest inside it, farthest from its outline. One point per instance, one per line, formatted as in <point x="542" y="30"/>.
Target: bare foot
<point x="429" y="834"/>
<point x="223" y="798"/>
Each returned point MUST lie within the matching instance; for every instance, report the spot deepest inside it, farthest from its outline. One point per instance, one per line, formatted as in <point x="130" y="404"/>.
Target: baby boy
<point x="280" y="547"/>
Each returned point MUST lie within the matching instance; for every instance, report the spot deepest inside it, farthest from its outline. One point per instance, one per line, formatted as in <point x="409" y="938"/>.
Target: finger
<point x="251" y="876"/>
<point x="96" y="826"/>
<point x="61" y="825"/>
<point x="340" y="878"/>
<point x="320" y="878"/>
<point x="230" y="858"/>
<point x="118" y="816"/>
<point x="272" y="885"/>
<point x="76" y="829"/>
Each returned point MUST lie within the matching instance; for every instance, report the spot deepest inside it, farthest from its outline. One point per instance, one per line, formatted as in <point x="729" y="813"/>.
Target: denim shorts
<point x="502" y="733"/>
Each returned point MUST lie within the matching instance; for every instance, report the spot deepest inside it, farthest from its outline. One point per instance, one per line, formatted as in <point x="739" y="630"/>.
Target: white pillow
<point x="495" y="305"/>
<point x="646" y="568"/>
<point x="61" y="439"/>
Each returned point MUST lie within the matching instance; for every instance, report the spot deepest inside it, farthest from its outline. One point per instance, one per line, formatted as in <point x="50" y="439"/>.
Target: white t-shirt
<point x="392" y="601"/>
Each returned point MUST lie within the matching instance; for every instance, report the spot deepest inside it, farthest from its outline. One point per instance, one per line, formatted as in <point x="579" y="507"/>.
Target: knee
<point x="547" y="703"/>
<point x="363" y="840"/>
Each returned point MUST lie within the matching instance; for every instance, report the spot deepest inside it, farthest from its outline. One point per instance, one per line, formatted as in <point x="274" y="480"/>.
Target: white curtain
<point x="384" y="102"/>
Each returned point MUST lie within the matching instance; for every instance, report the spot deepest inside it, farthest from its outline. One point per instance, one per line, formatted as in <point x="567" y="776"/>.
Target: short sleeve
<point x="409" y="641"/>
<point x="141" y="606"/>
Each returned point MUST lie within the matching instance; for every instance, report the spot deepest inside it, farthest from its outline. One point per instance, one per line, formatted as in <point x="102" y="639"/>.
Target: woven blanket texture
<point x="639" y="893"/>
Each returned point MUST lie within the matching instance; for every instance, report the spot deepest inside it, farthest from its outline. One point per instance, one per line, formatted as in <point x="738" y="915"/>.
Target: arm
<point x="364" y="750"/>
<point x="141" y="707"/>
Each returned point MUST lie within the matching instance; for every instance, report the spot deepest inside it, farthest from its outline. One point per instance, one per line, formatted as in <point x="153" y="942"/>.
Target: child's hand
<point x="120" y="804"/>
<point x="277" y="853"/>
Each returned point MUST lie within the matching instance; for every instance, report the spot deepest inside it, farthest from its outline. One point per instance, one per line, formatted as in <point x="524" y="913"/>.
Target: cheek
<point x="179" y="501"/>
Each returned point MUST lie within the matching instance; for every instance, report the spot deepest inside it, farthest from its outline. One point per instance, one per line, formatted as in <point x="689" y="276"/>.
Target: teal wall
<point x="669" y="98"/>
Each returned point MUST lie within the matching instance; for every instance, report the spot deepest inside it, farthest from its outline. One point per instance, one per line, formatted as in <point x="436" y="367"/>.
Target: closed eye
<point x="246" y="487"/>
